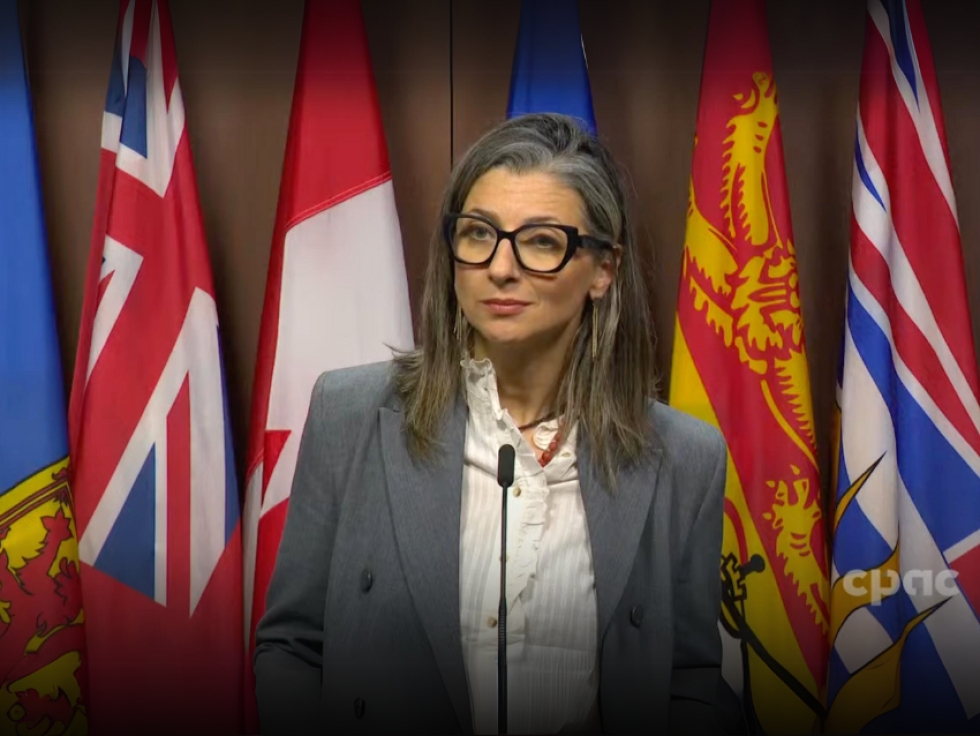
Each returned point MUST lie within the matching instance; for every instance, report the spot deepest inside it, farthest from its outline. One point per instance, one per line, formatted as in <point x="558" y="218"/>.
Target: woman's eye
<point x="478" y="232"/>
<point x="542" y="241"/>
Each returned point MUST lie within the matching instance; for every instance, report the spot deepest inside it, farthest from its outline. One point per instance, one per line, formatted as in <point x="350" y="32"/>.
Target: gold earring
<point x="459" y="328"/>
<point x="595" y="331"/>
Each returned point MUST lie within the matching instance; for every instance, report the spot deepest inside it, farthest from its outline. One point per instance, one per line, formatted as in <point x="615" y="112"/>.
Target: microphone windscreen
<point x="505" y="466"/>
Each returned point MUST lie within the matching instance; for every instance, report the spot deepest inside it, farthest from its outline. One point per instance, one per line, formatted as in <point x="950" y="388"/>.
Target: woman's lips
<point x="504" y="306"/>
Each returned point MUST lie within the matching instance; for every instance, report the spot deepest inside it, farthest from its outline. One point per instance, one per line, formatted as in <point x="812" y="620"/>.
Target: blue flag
<point x="41" y="635"/>
<point x="32" y="407"/>
<point x="550" y="72"/>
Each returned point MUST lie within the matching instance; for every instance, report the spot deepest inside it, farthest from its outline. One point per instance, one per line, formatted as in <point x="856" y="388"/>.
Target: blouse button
<point x="492" y="621"/>
<point x="517" y="491"/>
<point x="367" y="580"/>
<point x="636" y="616"/>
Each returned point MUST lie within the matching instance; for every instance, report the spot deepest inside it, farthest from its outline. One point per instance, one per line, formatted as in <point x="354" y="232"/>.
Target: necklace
<point x="552" y="446"/>
<point x="536" y="422"/>
<point x="550" y="452"/>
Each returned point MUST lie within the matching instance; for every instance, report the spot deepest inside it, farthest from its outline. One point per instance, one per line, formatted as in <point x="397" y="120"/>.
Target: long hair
<point x="607" y="397"/>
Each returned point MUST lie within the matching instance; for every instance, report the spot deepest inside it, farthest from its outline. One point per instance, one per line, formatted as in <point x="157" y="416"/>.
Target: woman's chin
<point x="505" y="341"/>
<point x="506" y="338"/>
<point x="518" y="336"/>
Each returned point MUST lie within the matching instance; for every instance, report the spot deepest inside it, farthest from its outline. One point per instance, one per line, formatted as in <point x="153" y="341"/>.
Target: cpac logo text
<point x="881" y="584"/>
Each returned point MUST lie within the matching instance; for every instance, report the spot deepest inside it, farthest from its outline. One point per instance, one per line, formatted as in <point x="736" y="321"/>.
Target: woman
<point x="382" y="610"/>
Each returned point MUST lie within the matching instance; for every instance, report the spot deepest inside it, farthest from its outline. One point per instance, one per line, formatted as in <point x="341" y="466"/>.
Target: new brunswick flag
<point x="739" y="362"/>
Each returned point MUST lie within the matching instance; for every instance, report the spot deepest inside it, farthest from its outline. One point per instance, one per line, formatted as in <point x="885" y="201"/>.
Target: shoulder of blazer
<point x="676" y="428"/>
<point x="692" y="448"/>
<point x="350" y="393"/>
<point x="345" y="402"/>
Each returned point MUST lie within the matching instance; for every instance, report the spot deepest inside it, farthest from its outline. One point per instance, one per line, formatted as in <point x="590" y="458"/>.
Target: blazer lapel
<point x="425" y="507"/>
<point x="615" y="523"/>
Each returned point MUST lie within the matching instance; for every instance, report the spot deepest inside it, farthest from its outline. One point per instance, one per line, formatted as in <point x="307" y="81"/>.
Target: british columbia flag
<point x="906" y="574"/>
<point x="153" y="471"/>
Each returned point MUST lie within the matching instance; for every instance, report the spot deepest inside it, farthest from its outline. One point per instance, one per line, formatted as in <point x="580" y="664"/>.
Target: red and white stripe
<point x="898" y="245"/>
<point x="906" y="272"/>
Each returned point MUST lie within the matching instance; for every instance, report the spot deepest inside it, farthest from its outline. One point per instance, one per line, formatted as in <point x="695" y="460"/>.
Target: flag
<point x="152" y="462"/>
<point x="906" y="572"/>
<point x="550" y="73"/>
<point x="336" y="292"/>
<point x="739" y="362"/>
<point x="42" y="637"/>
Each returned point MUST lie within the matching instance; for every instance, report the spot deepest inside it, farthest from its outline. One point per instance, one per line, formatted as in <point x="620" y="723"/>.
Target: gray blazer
<point x="362" y="631"/>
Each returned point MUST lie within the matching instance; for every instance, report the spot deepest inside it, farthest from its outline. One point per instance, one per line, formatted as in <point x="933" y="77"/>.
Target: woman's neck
<point x="527" y="380"/>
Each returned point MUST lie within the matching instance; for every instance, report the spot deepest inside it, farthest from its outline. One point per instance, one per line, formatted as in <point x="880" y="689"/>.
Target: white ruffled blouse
<point x="551" y="605"/>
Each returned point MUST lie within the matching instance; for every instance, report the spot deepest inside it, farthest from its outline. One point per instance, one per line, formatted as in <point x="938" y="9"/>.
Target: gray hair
<point x="607" y="397"/>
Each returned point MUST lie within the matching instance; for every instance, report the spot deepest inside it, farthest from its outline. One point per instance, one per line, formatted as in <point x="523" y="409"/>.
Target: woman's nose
<point x="504" y="265"/>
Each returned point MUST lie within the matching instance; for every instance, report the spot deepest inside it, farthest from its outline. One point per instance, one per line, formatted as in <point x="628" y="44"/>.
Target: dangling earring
<point x="459" y="329"/>
<point x="595" y="330"/>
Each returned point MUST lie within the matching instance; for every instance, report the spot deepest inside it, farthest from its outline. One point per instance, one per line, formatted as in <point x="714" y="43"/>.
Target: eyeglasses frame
<point x="576" y="240"/>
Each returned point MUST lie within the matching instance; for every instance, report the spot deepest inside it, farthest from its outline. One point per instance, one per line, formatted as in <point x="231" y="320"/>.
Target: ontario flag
<point x="550" y="72"/>
<point x="740" y="363"/>
<point x="906" y="573"/>
<point x="336" y="292"/>
<point x="42" y="633"/>
<point x="153" y="471"/>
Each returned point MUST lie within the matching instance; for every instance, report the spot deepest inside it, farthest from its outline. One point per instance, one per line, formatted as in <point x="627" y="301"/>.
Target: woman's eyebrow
<point x="482" y="212"/>
<point x="534" y="219"/>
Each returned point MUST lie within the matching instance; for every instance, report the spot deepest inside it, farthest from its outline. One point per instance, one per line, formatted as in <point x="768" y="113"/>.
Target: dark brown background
<point x="443" y="71"/>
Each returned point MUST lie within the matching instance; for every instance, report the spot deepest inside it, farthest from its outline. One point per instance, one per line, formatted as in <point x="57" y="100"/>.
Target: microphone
<point x="505" y="477"/>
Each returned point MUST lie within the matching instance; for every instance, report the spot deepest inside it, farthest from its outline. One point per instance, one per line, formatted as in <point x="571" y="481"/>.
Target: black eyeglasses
<point x="544" y="248"/>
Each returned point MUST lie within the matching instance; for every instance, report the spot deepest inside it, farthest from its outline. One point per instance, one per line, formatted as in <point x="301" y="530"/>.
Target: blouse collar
<point x="480" y="381"/>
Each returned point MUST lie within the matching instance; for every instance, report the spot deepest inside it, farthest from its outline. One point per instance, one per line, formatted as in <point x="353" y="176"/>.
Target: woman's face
<point x="507" y="306"/>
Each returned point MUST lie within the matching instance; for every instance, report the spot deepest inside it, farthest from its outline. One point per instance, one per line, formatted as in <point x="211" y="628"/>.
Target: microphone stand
<point x="505" y="477"/>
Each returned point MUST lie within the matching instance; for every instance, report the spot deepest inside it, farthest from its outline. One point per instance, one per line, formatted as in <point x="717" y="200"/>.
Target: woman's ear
<point x="606" y="269"/>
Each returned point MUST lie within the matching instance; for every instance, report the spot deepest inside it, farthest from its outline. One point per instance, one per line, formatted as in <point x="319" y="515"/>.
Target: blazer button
<point x="359" y="707"/>
<point x="367" y="580"/>
<point x="636" y="616"/>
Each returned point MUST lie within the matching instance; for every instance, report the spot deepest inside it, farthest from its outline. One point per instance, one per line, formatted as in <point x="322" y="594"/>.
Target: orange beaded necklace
<point x="552" y="446"/>
<point x="550" y="452"/>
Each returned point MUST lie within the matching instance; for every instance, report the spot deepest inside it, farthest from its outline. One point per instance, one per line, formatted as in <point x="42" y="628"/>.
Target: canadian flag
<point x="336" y="293"/>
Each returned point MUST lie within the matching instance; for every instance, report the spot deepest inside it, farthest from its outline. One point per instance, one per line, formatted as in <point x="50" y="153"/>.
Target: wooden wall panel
<point x="483" y="49"/>
<point x="645" y="70"/>
<point x="410" y="48"/>
<point x="68" y="47"/>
